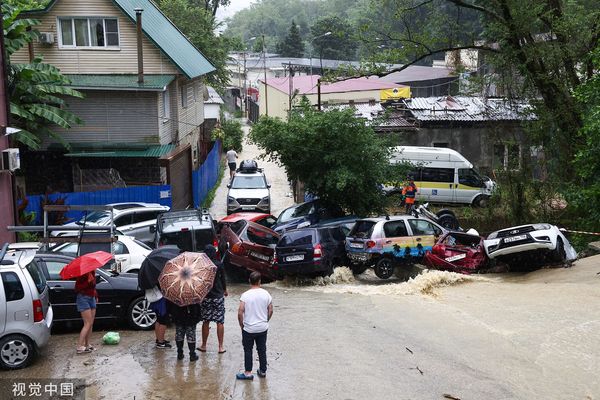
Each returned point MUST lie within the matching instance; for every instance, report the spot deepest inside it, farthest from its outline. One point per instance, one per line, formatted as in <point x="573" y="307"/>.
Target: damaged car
<point x="458" y="252"/>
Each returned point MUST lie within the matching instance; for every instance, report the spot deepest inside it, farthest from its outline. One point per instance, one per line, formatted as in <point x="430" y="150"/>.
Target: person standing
<point x="213" y="305"/>
<point x="254" y="313"/>
<point x="160" y="326"/>
<point x="85" y="288"/>
<point x="409" y="192"/>
<point x="185" y="318"/>
<point x="231" y="156"/>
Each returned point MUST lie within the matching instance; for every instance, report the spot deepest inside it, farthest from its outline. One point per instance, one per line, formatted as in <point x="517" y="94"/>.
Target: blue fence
<point x="146" y="194"/>
<point x="205" y="177"/>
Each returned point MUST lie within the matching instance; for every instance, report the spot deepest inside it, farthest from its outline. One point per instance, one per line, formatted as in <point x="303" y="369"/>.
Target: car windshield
<point x="183" y="239"/>
<point x="248" y="182"/>
<point x="96" y="217"/>
<point x="297" y="238"/>
<point x="295" y="212"/>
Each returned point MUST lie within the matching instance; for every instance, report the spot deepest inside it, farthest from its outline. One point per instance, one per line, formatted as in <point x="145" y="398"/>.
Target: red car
<point x="247" y="246"/>
<point x="457" y="252"/>
<point x="263" y="219"/>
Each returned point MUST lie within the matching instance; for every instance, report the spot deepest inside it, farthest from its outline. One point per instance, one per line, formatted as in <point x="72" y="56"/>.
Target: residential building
<point x="425" y="81"/>
<point x="142" y="126"/>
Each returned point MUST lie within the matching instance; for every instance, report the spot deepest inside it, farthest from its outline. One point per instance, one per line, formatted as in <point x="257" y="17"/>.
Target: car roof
<point x="20" y="257"/>
<point x="384" y="219"/>
<point x="247" y="216"/>
<point x="25" y="246"/>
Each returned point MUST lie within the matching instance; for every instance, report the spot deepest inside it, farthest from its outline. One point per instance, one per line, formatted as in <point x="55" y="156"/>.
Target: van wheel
<point x="481" y="201"/>
<point x="384" y="268"/>
<point x="139" y="314"/>
<point x="16" y="351"/>
<point x="448" y="221"/>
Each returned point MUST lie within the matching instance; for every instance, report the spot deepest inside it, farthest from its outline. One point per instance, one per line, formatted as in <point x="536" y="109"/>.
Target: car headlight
<point x="231" y="200"/>
<point x="542" y="227"/>
<point x="493" y="235"/>
<point x="265" y="200"/>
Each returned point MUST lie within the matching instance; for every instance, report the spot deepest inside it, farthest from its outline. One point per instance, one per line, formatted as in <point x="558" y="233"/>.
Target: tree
<point x="36" y="90"/>
<point x="291" y="45"/>
<point x="210" y="6"/>
<point x="335" y="155"/>
<point x="339" y="45"/>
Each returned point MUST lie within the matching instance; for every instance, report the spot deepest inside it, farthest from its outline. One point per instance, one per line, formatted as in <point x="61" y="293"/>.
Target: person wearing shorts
<point x="85" y="287"/>
<point x="162" y="320"/>
<point x="212" y="308"/>
<point x="231" y="156"/>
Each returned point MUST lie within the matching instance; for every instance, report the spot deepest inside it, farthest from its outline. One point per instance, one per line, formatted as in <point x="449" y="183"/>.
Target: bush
<point x="231" y="134"/>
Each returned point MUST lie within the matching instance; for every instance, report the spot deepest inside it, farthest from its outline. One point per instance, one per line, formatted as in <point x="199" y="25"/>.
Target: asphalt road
<point x="533" y="336"/>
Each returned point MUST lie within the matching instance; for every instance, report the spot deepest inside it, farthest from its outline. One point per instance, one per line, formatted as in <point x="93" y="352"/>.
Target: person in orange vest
<point x="409" y="194"/>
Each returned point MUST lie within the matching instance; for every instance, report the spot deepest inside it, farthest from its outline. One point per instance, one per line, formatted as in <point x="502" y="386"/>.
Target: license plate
<point x="514" y="238"/>
<point x="247" y="207"/>
<point x="356" y="245"/>
<point x="260" y="256"/>
<point x="456" y="257"/>
<point x="297" y="257"/>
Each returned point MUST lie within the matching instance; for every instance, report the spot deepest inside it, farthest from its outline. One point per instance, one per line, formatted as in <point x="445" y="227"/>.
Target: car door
<point x="437" y="185"/>
<point x="140" y="225"/>
<point x="107" y="296"/>
<point x="469" y="186"/>
<point x="424" y="234"/>
<point x="62" y="293"/>
<point x="396" y="239"/>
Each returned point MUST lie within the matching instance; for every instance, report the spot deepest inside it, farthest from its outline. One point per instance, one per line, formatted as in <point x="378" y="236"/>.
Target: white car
<point x="248" y="191"/>
<point x="542" y="240"/>
<point x="129" y="252"/>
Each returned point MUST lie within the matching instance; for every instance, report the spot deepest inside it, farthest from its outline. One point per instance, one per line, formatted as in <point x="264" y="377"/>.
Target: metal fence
<point x="205" y="177"/>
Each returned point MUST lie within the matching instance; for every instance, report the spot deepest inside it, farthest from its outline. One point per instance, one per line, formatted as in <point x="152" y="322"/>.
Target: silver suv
<point x="25" y="311"/>
<point x="248" y="190"/>
<point x="131" y="219"/>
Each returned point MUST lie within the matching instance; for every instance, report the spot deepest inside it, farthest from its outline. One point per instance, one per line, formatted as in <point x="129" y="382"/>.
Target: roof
<point x="385" y="119"/>
<point x="416" y="73"/>
<point x="164" y="34"/>
<point x="213" y="96"/>
<point x="120" y="82"/>
<point x="307" y="84"/>
<point x="256" y="61"/>
<point x="149" y="152"/>
<point x="464" y="108"/>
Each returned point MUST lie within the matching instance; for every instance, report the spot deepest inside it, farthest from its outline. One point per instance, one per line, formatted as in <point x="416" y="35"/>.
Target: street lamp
<point x="311" y="48"/>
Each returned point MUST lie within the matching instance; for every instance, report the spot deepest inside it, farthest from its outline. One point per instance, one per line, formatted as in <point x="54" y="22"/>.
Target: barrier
<point x="205" y="177"/>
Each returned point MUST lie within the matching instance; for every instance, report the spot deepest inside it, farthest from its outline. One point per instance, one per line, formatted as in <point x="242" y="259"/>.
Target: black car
<point x="190" y="230"/>
<point x="118" y="294"/>
<point x="310" y="251"/>
<point x="306" y="214"/>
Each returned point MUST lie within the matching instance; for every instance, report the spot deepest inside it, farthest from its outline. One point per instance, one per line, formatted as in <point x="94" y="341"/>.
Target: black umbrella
<point x="154" y="264"/>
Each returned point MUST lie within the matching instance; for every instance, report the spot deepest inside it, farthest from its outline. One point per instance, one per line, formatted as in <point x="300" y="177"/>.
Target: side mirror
<point x="269" y="186"/>
<point x="152" y="229"/>
<point x="229" y="185"/>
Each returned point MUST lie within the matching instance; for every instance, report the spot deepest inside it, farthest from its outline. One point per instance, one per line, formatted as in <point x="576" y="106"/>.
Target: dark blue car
<point x="306" y="214"/>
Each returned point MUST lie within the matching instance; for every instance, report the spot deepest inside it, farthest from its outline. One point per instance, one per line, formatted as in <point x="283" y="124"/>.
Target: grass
<point x="210" y="197"/>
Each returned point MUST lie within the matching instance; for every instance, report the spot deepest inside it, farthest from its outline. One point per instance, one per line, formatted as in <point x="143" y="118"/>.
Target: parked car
<point x="132" y="219"/>
<point x="458" y="252"/>
<point x="119" y="297"/>
<point x="306" y="214"/>
<point x="528" y="245"/>
<point x="248" y="190"/>
<point x="266" y="220"/>
<point x="247" y="246"/>
<point x="26" y="315"/>
<point x="129" y="252"/>
<point x="310" y="251"/>
<point x="190" y="230"/>
<point x="344" y="223"/>
<point x="384" y="243"/>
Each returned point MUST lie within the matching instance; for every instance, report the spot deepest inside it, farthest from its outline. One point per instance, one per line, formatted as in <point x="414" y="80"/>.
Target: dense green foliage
<point x="36" y="90"/>
<point x="335" y="155"/>
<point x="291" y="45"/>
<point x="341" y="44"/>
<point x="230" y="133"/>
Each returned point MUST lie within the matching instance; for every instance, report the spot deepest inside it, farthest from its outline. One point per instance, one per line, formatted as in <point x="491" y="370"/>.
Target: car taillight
<point x="38" y="311"/>
<point x="318" y="251"/>
<point x="371" y="244"/>
<point x="237" y="249"/>
<point x="216" y="246"/>
<point x="274" y="258"/>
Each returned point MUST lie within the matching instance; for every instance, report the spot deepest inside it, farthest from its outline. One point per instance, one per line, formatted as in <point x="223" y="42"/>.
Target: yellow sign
<point x="395" y="93"/>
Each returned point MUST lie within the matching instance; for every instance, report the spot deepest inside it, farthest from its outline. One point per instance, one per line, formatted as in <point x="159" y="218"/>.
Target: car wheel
<point x="358" y="269"/>
<point x="558" y="254"/>
<point x="384" y="268"/>
<point x="448" y="221"/>
<point x="481" y="201"/>
<point x="139" y="314"/>
<point x="16" y="351"/>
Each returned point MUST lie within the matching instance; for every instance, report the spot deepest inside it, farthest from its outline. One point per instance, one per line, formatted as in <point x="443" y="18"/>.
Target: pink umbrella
<point x="187" y="278"/>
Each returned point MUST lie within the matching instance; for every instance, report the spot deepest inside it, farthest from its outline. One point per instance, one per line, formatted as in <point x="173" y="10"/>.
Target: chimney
<point x="138" y="20"/>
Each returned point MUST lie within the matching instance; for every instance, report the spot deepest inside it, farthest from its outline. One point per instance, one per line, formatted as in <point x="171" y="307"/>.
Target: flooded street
<point x="480" y="337"/>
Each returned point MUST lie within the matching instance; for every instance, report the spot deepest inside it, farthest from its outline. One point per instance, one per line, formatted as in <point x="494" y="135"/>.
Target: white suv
<point x="248" y="190"/>
<point x="132" y="219"/>
<point x="25" y="311"/>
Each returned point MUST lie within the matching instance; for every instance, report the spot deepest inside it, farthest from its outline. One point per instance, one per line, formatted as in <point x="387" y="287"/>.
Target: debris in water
<point x="449" y="396"/>
<point x="409" y="350"/>
<point x="419" y="369"/>
<point x="340" y="275"/>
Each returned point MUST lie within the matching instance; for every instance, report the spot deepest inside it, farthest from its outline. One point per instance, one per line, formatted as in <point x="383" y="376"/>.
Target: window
<point x="395" y="229"/>
<point x="297" y="238"/>
<point x="166" y="105"/>
<point x="120" y="248"/>
<point x="54" y="268"/>
<point x="445" y="175"/>
<point x="123" y="220"/>
<point x="338" y="234"/>
<point x="440" y="144"/>
<point x="362" y="229"/>
<point x="422" y="227"/>
<point x="184" y="96"/>
<point x="248" y="182"/>
<point x="237" y="226"/>
<point x="36" y="274"/>
<point x="89" y="32"/>
<point x="145" y="216"/>
<point x="260" y="237"/>
<point x="12" y="286"/>
<point x="267" y="222"/>
<point x="470" y="177"/>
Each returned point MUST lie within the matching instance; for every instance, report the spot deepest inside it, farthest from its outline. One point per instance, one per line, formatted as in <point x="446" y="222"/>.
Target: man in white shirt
<point x="254" y="313"/>
<point x="231" y="157"/>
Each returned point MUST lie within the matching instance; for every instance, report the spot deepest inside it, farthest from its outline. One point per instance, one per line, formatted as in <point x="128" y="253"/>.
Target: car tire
<point x="384" y="268"/>
<point x="139" y="315"/>
<point x="358" y="269"/>
<point x="16" y="351"/>
<point x="481" y="201"/>
<point x="559" y="254"/>
<point x="448" y="221"/>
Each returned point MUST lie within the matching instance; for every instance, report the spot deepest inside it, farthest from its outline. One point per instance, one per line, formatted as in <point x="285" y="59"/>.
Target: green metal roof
<point x="150" y="152"/>
<point x="123" y="82"/>
<point x="164" y="34"/>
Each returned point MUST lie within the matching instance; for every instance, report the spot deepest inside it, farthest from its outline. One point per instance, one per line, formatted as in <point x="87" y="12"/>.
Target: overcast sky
<point x="235" y="6"/>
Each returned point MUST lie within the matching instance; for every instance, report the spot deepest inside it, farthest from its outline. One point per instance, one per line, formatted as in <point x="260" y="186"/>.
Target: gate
<point x="179" y="175"/>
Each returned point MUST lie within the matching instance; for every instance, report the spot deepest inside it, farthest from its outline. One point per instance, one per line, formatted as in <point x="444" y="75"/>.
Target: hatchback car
<point x="458" y="252"/>
<point x="132" y="219"/>
<point x="248" y="191"/>
<point x="26" y="315"/>
<point x="119" y="297"/>
<point x="247" y="246"/>
<point x="190" y="230"/>
<point x="310" y="251"/>
<point x="386" y="242"/>
<point x="263" y="219"/>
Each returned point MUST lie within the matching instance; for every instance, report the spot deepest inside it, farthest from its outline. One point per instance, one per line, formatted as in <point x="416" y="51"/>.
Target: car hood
<point x="248" y="193"/>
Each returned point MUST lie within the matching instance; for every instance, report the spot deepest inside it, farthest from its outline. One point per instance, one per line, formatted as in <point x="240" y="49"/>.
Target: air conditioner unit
<point x="11" y="160"/>
<point x="46" y="38"/>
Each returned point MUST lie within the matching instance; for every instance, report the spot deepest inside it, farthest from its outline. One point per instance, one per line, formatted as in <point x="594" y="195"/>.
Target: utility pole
<point x="265" y="68"/>
<point x="245" y="100"/>
<point x="291" y="88"/>
<point x="319" y="94"/>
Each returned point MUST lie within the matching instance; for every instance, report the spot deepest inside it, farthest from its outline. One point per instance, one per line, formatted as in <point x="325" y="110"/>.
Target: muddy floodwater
<point x="525" y="336"/>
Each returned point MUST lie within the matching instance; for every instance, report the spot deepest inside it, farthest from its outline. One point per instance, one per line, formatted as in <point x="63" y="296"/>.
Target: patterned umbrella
<point x="187" y="278"/>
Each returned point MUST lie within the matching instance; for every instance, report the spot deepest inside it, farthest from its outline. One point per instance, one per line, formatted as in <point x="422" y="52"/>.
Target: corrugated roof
<point x="213" y="96"/>
<point x="164" y="34"/>
<point x="150" y="152"/>
<point x="386" y="120"/>
<point x="464" y="108"/>
<point x="307" y="84"/>
<point x="120" y="82"/>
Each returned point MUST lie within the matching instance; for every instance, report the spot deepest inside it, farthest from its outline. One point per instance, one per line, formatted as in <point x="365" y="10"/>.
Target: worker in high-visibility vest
<point x="409" y="194"/>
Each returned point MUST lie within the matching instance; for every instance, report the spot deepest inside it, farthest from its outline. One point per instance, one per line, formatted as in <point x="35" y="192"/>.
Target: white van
<point x="443" y="175"/>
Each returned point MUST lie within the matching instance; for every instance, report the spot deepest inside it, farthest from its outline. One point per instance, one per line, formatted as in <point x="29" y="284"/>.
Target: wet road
<point x="533" y="336"/>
